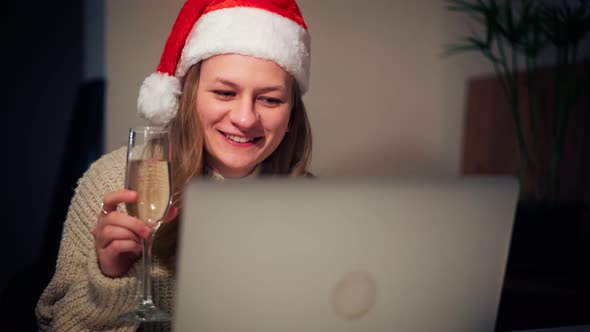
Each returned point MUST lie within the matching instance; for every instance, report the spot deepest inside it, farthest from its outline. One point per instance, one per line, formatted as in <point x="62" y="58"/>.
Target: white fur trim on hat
<point x="158" y="98"/>
<point x="249" y="31"/>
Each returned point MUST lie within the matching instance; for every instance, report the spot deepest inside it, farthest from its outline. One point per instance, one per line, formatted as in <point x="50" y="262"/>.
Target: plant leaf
<point x="459" y="48"/>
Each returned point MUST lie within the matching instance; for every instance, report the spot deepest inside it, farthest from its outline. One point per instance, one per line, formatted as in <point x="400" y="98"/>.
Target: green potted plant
<point x="515" y="37"/>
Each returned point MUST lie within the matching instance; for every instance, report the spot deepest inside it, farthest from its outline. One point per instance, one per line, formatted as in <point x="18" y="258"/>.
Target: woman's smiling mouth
<point x="241" y="140"/>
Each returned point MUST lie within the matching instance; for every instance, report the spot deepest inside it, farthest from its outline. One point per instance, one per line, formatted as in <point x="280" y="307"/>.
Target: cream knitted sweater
<point x="79" y="297"/>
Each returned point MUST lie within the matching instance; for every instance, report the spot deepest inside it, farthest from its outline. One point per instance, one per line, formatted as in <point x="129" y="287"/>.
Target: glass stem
<point x="146" y="281"/>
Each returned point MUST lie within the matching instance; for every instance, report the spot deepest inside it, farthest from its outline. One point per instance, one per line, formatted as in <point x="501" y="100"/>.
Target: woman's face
<point x="243" y="104"/>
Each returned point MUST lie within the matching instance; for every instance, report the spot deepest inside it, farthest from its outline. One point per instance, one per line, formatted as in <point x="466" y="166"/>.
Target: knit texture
<point x="79" y="297"/>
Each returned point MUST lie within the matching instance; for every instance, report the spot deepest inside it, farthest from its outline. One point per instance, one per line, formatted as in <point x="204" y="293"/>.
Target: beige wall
<point x="382" y="99"/>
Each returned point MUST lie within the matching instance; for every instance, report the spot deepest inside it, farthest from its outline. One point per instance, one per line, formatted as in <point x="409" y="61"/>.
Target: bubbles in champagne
<point x="151" y="180"/>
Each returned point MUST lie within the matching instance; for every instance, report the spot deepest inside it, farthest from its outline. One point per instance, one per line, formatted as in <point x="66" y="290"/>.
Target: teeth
<point x="239" y="139"/>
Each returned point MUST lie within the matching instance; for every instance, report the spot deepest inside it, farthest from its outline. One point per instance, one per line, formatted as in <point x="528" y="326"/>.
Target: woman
<point x="229" y="88"/>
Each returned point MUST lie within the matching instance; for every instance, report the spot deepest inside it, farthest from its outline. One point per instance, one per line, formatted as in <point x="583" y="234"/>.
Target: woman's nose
<point x="244" y="115"/>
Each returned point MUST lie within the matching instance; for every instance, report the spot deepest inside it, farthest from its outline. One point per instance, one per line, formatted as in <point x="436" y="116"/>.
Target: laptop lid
<point x="376" y="254"/>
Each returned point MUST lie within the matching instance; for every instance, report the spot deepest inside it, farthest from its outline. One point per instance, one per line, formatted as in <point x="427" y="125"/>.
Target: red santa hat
<point x="266" y="29"/>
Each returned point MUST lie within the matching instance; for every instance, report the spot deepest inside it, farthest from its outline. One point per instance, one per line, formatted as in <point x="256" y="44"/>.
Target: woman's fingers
<point x="124" y="246"/>
<point x="116" y="259"/>
<point x="172" y="213"/>
<point x="112" y="199"/>
<point x="117" y="235"/>
<point x="112" y="233"/>
<point x="120" y="219"/>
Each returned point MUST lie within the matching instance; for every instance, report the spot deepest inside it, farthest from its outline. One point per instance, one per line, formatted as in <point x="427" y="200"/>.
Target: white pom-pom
<point x="158" y="98"/>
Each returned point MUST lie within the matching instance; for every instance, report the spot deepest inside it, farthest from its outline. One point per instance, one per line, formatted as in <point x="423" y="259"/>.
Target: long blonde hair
<point x="291" y="158"/>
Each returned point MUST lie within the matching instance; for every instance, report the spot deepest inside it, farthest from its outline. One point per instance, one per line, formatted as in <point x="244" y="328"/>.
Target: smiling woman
<point x="244" y="106"/>
<point x="228" y="89"/>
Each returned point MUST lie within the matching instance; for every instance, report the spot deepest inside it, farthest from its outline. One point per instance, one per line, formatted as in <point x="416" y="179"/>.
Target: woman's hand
<point x="117" y="236"/>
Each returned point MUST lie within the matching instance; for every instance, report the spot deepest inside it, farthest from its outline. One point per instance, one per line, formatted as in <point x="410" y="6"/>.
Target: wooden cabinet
<point x="490" y="144"/>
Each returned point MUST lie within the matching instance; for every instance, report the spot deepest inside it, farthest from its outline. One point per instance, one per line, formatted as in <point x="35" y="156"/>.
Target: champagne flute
<point x="148" y="173"/>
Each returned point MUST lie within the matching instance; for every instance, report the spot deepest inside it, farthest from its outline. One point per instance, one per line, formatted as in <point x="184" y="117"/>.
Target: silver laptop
<point x="375" y="254"/>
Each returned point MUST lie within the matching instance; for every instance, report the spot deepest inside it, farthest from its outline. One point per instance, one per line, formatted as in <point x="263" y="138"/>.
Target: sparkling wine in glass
<point x="148" y="173"/>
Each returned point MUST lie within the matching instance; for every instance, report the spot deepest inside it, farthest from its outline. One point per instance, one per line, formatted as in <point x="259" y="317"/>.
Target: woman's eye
<point x="271" y="101"/>
<point x="224" y="94"/>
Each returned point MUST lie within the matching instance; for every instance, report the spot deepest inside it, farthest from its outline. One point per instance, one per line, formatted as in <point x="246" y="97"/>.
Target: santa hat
<point x="266" y="29"/>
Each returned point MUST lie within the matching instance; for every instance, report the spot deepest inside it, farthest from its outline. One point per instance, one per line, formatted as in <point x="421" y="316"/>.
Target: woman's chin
<point x="236" y="170"/>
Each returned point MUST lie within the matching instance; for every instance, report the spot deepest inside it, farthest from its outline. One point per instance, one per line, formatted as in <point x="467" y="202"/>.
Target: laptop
<point x="335" y="254"/>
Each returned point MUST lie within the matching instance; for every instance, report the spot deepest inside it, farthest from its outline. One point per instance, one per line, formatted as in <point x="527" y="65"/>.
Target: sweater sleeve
<point x="79" y="297"/>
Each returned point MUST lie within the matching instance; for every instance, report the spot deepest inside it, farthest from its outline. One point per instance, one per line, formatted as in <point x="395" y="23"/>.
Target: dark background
<point x="54" y="89"/>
